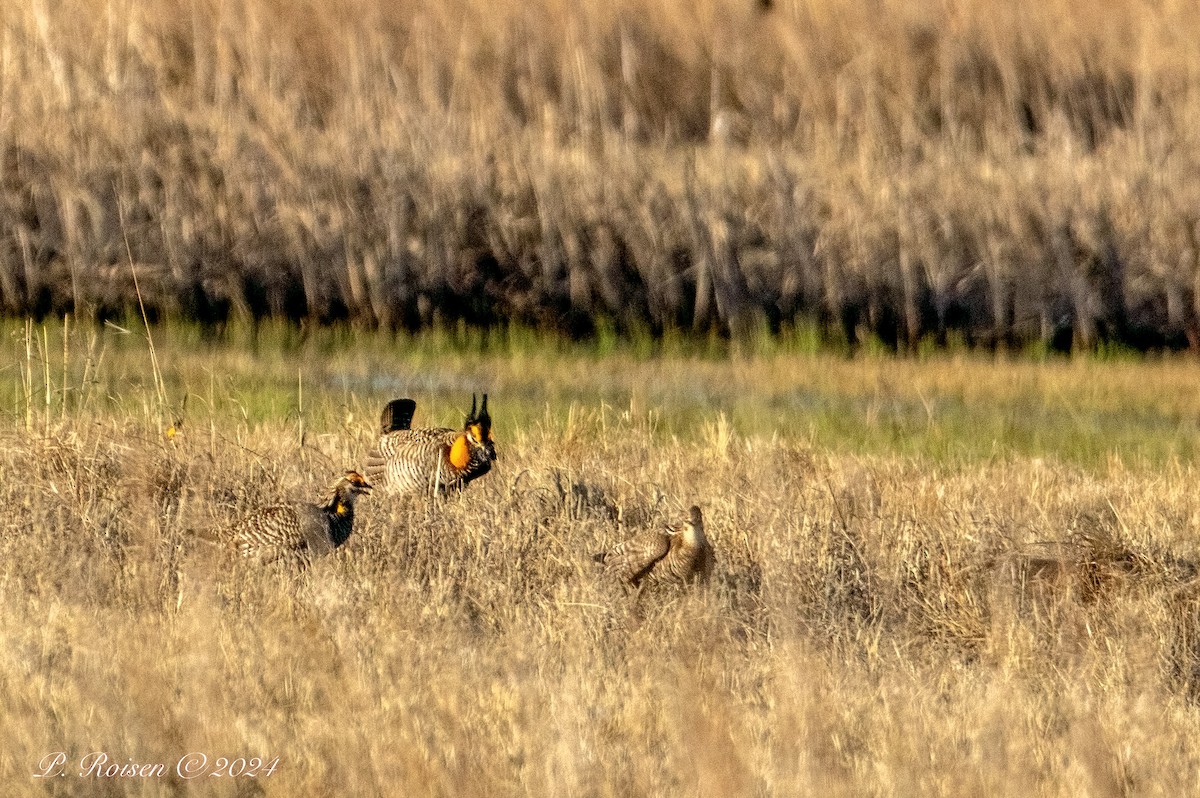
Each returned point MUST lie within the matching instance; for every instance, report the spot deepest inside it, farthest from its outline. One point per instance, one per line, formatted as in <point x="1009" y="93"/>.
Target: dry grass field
<point x="900" y="607"/>
<point x="951" y="574"/>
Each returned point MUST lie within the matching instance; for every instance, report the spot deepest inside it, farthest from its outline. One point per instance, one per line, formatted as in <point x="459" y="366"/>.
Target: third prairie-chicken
<point x="676" y="554"/>
<point x="301" y="531"/>
<point x="433" y="459"/>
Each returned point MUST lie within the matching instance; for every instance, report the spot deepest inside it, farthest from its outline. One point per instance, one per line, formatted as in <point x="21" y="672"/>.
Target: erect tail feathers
<point x="398" y="414"/>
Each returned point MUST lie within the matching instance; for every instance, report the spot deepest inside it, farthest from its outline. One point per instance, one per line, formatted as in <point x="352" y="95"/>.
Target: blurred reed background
<point x="1011" y="175"/>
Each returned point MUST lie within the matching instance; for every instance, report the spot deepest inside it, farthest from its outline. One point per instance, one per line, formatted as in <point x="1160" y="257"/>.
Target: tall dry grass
<point x="1001" y="175"/>
<point x="884" y="624"/>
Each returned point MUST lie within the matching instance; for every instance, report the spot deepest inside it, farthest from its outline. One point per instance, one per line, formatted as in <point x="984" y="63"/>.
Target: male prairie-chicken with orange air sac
<point x="431" y="460"/>
<point x="301" y="531"/>
<point x="676" y="554"/>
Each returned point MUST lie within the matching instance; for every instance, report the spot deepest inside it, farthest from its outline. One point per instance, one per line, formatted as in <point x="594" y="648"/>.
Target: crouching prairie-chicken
<point x="432" y="460"/>
<point x="677" y="554"/>
<point x="301" y="531"/>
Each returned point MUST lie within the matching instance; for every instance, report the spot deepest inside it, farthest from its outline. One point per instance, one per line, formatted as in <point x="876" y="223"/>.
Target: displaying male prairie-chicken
<point x="676" y="554"/>
<point x="431" y="460"/>
<point x="301" y="531"/>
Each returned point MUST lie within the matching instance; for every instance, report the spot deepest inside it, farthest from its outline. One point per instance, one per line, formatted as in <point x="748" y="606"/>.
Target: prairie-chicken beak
<point x="364" y="487"/>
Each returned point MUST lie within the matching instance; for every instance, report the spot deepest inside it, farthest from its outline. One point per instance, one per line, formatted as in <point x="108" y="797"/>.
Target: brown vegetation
<point x="857" y="635"/>
<point x="1002" y="173"/>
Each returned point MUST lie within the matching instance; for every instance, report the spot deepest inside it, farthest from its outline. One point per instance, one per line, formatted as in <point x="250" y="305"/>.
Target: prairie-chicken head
<point x="694" y="525"/>
<point x="478" y="428"/>
<point x="347" y="490"/>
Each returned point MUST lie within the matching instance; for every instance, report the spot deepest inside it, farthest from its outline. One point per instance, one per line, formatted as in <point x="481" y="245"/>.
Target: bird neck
<point x="340" y="503"/>
<point x="693" y="535"/>
<point x="460" y="452"/>
<point x="342" y="522"/>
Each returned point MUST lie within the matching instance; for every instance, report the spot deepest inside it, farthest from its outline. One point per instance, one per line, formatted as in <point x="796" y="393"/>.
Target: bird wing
<point x="406" y="461"/>
<point x="316" y="530"/>
<point x="635" y="558"/>
<point x="684" y="563"/>
<point x="268" y="534"/>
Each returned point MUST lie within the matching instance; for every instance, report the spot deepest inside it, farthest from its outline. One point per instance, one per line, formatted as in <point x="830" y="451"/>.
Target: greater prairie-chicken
<point x="301" y="531"/>
<point x="430" y="460"/>
<point x="676" y="554"/>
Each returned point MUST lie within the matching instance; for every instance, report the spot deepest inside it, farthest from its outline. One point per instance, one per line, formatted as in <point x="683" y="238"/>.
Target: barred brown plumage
<point x="431" y="460"/>
<point x="677" y="554"/>
<point x="301" y="531"/>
